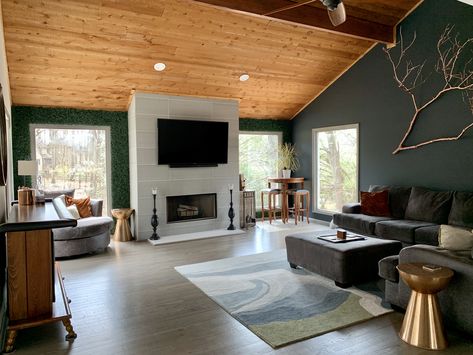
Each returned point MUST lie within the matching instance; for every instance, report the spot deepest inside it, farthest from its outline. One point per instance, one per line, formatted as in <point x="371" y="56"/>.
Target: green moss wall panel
<point x="23" y="116"/>
<point x="248" y="125"/>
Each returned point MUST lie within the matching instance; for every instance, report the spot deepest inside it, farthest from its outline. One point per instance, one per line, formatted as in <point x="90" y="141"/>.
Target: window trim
<point x="108" y="150"/>
<point x="315" y="183"/>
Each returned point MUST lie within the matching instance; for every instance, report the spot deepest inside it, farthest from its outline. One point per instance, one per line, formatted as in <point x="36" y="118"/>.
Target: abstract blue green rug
<point x="279" y="304"/>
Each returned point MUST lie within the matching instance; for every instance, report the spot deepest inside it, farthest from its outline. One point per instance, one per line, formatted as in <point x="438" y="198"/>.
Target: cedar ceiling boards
<point x="91" y="54"/>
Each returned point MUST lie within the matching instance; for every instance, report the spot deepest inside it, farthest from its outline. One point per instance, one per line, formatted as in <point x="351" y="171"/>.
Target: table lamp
<point x="26" y="168"/>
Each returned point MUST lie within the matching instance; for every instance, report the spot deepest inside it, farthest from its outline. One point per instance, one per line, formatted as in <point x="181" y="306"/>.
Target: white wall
<point x="5" y="195"/>
<point x="145" y="173"/>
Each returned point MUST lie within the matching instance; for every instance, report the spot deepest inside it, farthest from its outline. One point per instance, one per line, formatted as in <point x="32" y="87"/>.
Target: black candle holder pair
<point x="155" y="221"/>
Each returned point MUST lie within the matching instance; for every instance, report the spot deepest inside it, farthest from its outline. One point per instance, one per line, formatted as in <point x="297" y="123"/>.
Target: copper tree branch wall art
<point x="455" y="65"/>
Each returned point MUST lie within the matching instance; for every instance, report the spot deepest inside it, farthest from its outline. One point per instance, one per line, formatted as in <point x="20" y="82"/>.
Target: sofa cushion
<point x="461" y="213"/>
<point x="455" y="238"/>
<point x="427" y="235"/>
<point x="358" y="223"/>
<point x="56" y="193"/>
<point x="86" y="227"/>
<point x="387" y="268"/>
<point x="429" y="206"/>
<point x="402" y="230"/>
<point x="398" y="198"/>
<point x="375" y="203"/>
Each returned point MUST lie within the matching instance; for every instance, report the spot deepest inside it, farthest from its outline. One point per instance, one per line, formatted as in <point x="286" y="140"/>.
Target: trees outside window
<point x="73" y="158"/>
<point x="259" y="159"/>
<point x="335" y="167"/>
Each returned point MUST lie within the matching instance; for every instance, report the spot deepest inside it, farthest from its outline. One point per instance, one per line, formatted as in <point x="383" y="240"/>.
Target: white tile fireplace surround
<point x="145" y="173"/>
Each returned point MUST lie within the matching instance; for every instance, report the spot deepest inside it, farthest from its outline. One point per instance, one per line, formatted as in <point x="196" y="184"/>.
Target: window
<point x="259" y="159"/>
<point x="335" y="152"/>
<point x="73" y="157"/>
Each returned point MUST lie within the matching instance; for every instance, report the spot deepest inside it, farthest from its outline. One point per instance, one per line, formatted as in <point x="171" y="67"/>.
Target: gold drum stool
<point x="122" y="229"/>
<point x="422" y="325"/>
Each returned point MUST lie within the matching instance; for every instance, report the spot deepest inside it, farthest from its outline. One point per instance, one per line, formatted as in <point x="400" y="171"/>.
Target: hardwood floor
<point x="130" y="300"/>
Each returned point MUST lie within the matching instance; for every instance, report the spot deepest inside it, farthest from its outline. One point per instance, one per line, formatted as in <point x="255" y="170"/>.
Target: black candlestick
<point x="154" y="220"/>
<point x="231" y="213"/>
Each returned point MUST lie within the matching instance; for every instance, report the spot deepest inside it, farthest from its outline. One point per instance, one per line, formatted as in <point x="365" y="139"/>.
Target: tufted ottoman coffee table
<point x="345" y="263"/>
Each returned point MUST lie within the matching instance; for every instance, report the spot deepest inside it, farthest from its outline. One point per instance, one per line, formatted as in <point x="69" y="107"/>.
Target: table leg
<point x="422" y="325"/>
<point x="285" y="206"/>
<point x="71" y="334"/>
<point x="10" y="342"/>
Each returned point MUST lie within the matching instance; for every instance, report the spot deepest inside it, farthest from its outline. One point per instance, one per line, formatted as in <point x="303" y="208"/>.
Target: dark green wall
<point x="368" y="95"/>
<point x="22" y="116"/>
<point x="248" y="124"/>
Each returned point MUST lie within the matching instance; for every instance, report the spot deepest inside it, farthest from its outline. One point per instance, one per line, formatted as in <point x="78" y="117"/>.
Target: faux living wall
<point x="23" y="116"/>
<point x="253" y="125"/>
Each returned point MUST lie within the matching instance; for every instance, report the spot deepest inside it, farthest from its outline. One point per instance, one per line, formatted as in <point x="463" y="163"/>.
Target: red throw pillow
<point x="375" y="203"/>
<point x="83" y="205"/>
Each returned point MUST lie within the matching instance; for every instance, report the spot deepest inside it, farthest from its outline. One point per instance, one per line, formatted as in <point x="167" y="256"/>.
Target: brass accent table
<point x="422" y="325"/>
<point x="122" y="229"/>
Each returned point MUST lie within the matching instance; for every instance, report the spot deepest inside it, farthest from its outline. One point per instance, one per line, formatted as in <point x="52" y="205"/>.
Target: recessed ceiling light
<point x="244" y="77"/>
<point x="159" y="66"/>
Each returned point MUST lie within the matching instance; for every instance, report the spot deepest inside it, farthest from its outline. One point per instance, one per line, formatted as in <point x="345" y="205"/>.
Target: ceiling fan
<point x="335" y="8"/>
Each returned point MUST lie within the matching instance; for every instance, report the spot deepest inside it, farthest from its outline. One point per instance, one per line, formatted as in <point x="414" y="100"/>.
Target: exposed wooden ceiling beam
<point x="310" y="16"/>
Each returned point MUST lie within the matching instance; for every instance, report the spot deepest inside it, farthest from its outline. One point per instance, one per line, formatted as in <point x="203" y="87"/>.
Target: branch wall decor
<point x="454" y="65"/>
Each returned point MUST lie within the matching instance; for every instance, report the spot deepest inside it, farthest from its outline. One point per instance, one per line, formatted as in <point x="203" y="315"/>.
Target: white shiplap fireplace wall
<point x="145" y="173"/>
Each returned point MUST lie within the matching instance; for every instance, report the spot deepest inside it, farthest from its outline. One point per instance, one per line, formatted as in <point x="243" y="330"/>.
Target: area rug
<point x="279" y="304"/>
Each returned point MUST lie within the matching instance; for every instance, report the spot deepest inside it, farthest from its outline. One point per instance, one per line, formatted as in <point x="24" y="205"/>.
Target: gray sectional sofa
<point x="416" y="214"/>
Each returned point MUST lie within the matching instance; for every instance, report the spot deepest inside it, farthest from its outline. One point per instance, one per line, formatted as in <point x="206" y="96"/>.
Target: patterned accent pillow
<point x="375" y="203"/>
<point x="82" y="204"/>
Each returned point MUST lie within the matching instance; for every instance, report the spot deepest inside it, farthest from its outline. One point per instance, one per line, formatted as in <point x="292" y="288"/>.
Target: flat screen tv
<point x="187" y="143"/>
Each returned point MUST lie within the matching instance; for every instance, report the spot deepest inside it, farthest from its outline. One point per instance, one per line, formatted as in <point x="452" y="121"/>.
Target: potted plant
<point x="288" y="160"/>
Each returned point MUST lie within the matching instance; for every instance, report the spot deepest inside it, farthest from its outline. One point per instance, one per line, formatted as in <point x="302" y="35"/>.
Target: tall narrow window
<point x="73" y="158"/>
<point x="259" y="159"/>
<point x="335" y="167"/>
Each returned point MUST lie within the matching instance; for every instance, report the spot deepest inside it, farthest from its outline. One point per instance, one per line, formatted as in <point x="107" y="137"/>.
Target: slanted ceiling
<point x="92" y="54"/>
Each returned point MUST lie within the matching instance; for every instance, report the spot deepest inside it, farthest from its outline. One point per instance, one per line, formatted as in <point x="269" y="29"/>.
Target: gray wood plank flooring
<point x="130" y="300"/>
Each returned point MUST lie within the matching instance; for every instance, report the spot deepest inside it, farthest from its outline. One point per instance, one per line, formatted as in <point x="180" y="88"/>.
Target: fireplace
<point x="191" y="207"/>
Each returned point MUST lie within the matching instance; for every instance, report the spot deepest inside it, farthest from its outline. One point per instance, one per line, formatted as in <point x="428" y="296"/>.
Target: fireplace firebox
<point x="191" y="207"/>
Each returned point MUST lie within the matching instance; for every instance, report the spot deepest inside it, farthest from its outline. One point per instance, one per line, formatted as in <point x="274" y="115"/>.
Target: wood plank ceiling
<point x="92" y="54"/>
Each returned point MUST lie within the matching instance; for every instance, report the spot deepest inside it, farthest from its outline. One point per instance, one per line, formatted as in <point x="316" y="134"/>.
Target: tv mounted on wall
<point x="187" y="143"/>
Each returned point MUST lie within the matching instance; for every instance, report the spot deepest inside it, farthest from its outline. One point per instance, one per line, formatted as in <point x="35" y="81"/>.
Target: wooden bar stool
<point x="301" y="205"/>
<point x="272" y="207"/>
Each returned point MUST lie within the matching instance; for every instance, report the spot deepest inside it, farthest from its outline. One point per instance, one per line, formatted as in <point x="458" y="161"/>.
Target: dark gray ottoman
<point x="345" y="263"/>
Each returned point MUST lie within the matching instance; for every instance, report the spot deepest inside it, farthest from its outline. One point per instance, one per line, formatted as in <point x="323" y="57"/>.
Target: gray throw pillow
<point x="429" y="206"/>
<point x="461" y="213"/>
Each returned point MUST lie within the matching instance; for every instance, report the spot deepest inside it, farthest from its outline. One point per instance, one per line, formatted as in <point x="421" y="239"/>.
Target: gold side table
<point x="422" y="325"/>
<point x="122" y="229"/>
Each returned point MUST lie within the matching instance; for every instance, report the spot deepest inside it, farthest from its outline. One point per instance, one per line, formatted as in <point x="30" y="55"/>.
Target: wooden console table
<point x="36" y="293"/>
